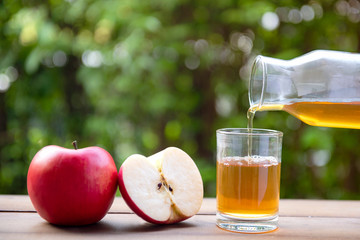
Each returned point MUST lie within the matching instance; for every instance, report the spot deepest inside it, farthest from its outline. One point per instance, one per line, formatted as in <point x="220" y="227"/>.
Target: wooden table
<point x="299" y="219"/>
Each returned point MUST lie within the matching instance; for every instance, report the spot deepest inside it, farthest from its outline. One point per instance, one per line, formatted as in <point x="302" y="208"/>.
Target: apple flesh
<point x="164" y="188"/>
<point x="72" y="187"/>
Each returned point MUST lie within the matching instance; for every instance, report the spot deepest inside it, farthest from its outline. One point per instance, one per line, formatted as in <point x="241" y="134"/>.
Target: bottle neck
<point x="270" y="82"/>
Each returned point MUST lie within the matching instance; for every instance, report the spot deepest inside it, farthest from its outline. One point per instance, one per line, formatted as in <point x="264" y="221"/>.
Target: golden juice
<point x="323" y="114"/>
<point x="248" y="187"/>
<point x="327" y="114"/>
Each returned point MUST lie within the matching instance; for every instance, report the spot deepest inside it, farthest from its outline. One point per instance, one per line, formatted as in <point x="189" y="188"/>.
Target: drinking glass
<point x="248" y="179"/>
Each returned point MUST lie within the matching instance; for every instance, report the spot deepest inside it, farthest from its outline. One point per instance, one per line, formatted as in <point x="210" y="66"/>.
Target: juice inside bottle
<point x="248" y="187"/>
<point x="323" y="114"/>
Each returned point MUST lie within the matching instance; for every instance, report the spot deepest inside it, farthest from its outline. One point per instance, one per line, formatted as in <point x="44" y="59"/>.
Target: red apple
<point x="164" y="188"/>
<point x="72" y="186"/>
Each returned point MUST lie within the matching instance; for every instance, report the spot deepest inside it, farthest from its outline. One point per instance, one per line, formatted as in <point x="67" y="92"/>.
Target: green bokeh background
<point x="138" y="76"/>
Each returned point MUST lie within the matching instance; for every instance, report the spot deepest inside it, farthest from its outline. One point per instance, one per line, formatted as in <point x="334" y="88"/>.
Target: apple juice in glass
<point x="248" y="179"/>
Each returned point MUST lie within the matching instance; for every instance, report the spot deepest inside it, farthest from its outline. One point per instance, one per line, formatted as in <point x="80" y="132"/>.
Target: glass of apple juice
<point x="248" y="179"/>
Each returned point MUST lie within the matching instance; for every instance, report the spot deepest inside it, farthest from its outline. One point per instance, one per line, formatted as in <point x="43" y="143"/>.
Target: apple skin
<point x="72" y="187"/>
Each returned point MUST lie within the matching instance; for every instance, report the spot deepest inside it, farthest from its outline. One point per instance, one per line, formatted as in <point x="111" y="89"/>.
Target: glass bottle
<point x="321" y="88"/>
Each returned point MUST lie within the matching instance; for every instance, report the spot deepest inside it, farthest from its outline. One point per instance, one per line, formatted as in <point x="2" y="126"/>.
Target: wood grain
<point x="299" y="219"/>
<point x="288" y="207"/>
<point x="118" y="226"/>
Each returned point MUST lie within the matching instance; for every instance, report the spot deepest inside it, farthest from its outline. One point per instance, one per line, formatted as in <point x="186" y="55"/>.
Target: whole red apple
<point x="72" y="186"/>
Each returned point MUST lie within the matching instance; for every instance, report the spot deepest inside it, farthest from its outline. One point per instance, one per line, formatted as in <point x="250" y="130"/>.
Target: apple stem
<point x="74" y="143"/>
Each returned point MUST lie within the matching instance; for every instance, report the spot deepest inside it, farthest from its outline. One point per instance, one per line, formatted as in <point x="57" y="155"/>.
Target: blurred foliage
<point x="137" y="76"/>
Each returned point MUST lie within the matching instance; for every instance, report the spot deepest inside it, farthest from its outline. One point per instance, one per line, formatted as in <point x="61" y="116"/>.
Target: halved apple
<point x="164" y="188"/>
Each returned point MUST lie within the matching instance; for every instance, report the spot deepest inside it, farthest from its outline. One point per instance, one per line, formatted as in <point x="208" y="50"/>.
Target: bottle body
<point x="321" y="88"/>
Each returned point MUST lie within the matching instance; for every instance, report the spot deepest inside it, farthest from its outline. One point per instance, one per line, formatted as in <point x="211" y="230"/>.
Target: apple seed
<point x="159" y="185"/>
<point x="170" y="189"/>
